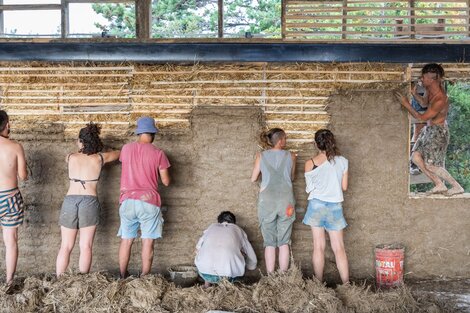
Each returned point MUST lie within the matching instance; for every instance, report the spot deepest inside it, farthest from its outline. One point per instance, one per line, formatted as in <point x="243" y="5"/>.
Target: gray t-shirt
<point x="324" y="182"/>
<point x="221" y="249"/>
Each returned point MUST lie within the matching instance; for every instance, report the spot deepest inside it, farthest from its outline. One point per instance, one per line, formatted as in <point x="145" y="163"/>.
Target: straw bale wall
<point x="210" y="117"/>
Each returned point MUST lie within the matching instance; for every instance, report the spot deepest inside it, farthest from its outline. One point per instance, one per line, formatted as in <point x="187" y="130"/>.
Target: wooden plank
<point x="68" y="68"/>
<point x="216" y="71"/>
<point x="365" y="33"/>
<point x="66" y="97"/>
<point x="274" y="81"/>
<point x="297" y="112"/>
<point x="95" y="84"/>
<point x="296" y="122"/>
<point x="18" y="7"/>
<point x="258" y="97"/>
<point x="66" y="75"/>
<point x="100" y="1"/>
<point x="371" y="17"/>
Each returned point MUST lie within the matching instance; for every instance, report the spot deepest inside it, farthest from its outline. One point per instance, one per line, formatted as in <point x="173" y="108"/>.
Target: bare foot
<point x="437" y="190"/>
<point x="455" y="191"/>
<point x="206" y="285"/>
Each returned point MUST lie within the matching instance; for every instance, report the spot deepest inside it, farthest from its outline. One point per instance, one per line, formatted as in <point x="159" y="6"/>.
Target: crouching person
<point x="224" y="251"/>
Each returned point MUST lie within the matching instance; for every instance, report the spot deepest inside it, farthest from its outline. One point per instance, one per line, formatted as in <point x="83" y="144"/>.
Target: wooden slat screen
<point x="377" y="20"/>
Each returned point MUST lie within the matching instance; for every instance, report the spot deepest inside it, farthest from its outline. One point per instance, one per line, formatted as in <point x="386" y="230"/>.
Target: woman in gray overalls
<point x="276" y="198"/>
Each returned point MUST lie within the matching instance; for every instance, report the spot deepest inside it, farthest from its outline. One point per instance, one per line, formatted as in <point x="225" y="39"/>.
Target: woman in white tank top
<point x="326" y="177"/>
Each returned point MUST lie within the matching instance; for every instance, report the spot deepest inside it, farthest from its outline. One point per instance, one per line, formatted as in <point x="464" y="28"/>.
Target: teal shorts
<point x="137" y="214"/>
<point x="214" y="279"/>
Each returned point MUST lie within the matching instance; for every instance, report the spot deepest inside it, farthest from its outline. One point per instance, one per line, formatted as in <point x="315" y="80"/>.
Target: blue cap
<point x="146" y="125"/>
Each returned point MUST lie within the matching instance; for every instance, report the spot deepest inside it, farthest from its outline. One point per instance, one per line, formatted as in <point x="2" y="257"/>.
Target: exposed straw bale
<point x="278" y="292"/>
<point x="289" y="292"/>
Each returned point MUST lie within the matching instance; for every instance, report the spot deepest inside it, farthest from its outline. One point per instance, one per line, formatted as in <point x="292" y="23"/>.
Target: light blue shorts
<point x="135" y="214"/>
<point x="328" y="215"/>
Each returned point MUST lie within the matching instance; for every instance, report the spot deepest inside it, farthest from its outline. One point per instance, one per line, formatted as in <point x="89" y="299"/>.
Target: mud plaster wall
<point x="211" y="166"/>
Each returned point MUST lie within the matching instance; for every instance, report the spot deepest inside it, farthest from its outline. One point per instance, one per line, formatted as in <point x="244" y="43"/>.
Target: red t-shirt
<point x="139" y="177"/>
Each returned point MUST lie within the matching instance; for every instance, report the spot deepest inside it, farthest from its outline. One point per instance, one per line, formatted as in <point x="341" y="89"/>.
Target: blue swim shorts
<point x="137" y="214"/>
<point x="328" y="215"/>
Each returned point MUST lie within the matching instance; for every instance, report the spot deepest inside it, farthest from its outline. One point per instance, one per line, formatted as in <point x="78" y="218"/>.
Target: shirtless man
<point x="12" y="167"/>
<point x="430" y="149"/>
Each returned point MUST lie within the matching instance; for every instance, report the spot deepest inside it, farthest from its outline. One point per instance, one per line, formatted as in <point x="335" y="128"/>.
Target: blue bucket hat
<point x="146" y="125"/>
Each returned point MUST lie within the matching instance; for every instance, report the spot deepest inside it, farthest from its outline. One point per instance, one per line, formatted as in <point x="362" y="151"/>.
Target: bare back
<point x="84" y="171"/>
<point x="439" y="103"/>
<point x="12" y="164"/>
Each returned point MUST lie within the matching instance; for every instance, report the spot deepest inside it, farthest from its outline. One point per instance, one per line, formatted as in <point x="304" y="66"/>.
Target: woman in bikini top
<point x="84" y="167"/>
<point x="80" y="210"/>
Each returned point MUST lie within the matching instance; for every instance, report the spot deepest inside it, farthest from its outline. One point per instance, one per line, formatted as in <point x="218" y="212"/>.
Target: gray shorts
<point x="79" y="211"/>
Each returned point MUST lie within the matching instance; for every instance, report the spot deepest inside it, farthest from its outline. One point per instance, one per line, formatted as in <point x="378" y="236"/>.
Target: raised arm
<point x="430" y="113"/>
<point x="256" y="168"/>
<point x="22" y="167"/>
<point x="294" y="163"/>
<point x="111" y="156"/>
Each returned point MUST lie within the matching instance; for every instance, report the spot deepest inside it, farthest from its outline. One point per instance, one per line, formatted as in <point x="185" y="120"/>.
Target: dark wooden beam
<point x="64" y="19"/>
<point x="2" y="25"/>
<point x="235" y="52"/>
<point x="412" y="20"/>
<point x="220" y="21"/>
<point x="283" y="18"/>
<point x="143" y="18"/>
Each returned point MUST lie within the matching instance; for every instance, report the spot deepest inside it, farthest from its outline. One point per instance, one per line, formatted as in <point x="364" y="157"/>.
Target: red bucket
<point x="389" y="261"/>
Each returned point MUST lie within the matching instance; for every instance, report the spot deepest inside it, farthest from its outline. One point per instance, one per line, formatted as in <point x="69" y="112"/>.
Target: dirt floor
<point x="288" y="292"/>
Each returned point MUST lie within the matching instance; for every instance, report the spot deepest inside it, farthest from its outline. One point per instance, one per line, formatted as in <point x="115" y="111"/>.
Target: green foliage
<point x="458" y="153"/>
<point x="121" y="19"/>
<point x="195" y="18"/>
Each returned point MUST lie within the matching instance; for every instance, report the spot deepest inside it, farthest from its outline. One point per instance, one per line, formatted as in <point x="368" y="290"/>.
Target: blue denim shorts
<point x="137" y="214"/>
<point x="328" y="215"/>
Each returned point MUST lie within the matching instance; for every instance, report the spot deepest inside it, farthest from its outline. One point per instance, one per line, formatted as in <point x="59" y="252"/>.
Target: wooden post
<point x="2" y="26"/>
<point x="220" y="23"/>
<point x="468" y="17"/>
<point x="344" y="20"/>
<point x="412" y="19"/>
<point x="64" y="19"/>
<point x="283" y="18"/>
<point x="143" y="19"/>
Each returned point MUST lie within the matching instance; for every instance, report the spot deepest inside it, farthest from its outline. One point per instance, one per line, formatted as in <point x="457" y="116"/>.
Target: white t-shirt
<point x="221" y="249"/>
<point x="324" y="182"/>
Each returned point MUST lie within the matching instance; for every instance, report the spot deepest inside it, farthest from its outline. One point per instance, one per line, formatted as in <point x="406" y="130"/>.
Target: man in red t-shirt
<point x="142" y="164"/>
